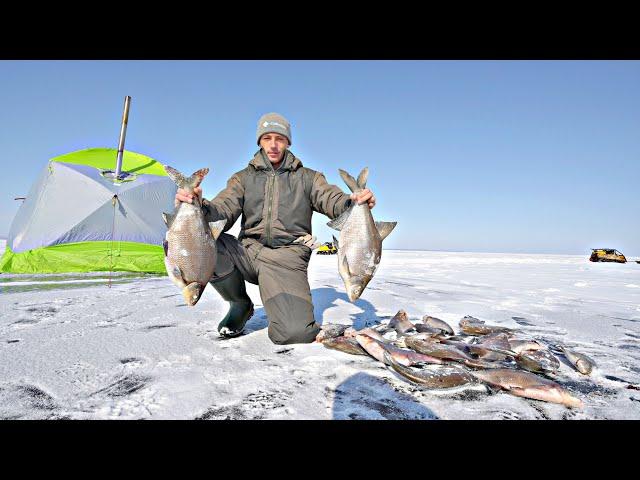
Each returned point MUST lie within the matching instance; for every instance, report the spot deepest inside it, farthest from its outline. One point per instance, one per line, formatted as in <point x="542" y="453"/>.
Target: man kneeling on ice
<point x="276" y="196"/>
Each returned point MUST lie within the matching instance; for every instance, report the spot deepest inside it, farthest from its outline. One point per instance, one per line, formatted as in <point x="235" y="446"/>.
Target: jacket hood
<point x="261" y="162"/>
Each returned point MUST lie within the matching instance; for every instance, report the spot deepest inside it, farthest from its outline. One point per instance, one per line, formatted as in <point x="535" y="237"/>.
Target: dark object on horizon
<point x="327" y="248"/>
<point x="607" y="255"/>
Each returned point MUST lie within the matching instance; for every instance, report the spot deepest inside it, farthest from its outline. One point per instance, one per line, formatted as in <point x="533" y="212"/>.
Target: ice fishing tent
<point x="76" y="219"/>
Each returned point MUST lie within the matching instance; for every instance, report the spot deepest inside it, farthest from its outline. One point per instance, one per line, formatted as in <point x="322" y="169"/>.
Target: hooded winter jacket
<point x="276" y="206"/>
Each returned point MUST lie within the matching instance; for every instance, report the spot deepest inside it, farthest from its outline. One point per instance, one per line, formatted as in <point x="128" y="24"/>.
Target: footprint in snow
<point x="125" y="386"/>
<point x="24" y="400"/>
<point x="133" y="361"/>
<point x="157" y="327"/>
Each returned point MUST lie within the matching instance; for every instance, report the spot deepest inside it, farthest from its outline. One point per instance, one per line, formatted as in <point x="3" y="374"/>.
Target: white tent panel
<point x="73" y="203"/>
<point x="65" y="196"/>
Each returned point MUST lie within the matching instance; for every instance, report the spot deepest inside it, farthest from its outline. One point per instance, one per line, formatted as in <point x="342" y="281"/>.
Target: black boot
<point x="232" y="289"/>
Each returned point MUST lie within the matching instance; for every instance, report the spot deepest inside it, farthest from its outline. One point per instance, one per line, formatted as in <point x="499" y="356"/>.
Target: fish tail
<point x="350" y="181"/>
<point x="186" y="183"/>
<point x="362" y="178"/>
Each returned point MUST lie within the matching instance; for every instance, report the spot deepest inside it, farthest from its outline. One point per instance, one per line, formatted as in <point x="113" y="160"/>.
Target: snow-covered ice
<point x="71" y="347"/>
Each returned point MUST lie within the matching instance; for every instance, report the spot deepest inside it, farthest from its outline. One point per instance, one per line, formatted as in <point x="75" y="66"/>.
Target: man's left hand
<point x="365" y="196"/>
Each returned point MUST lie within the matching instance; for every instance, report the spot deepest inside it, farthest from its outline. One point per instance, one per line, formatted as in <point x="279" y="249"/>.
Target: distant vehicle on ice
<point x="328" y="248"/>
<point x="607" y="255"/>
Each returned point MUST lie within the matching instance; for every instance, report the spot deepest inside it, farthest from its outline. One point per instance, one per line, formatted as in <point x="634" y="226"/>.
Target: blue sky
<point x="493" y="156"/>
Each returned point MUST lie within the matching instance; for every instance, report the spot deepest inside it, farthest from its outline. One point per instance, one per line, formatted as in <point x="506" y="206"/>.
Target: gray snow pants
<point x="281" y="275"/>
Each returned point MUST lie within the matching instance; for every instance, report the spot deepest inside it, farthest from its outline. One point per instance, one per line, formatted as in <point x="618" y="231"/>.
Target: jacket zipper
<point x="271" y="184"/>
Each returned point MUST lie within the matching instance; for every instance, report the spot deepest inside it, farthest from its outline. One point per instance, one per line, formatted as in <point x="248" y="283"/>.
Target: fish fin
<point x="362" y="178"/>
<point x="503" y="351"/>
<point x="385" y="228"/>
<point x="168" y="218"/>
<point x="335" y="242"/>
<point x="178" y="273"/>
<point x="349" y="180"/>
<point x="388" y="359"/>
<point x="345" y="265"/>
<point x="183" y="182"/>
<point x="491" y="388"/>
<point x="217" y="227"/>
<point x="175" y="274"/>
<point x="177" y="177"/>
<point x="557" y="348"/>
<point x="338" y="222"/>
<point x="519" y="391"/>
<point x="196" y="177"/>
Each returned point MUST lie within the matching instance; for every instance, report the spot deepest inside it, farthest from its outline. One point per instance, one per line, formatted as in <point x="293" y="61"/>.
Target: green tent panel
<point x="100" y="256"/>
<point x="104" y="159"/>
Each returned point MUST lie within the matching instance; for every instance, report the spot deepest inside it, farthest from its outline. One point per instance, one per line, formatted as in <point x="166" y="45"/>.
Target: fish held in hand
<point x="360" y="243"/>
<point x="190" y="242"/>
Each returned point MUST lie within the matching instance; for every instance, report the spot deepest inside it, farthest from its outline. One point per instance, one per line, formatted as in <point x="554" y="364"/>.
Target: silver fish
<point x="345" y="344"/>
<point x="519" y="346"/>
<point x="538" y="361"/>
<point x="445" y="352"/>
<point x="401" y="323"/>
<point x="421" y="328"/>
<point x="360" y="244"/>
<point x="371" y="332"/>
<point x="330" y="330"/>
<point x="436" y="377"/>
<point x="527" y="385"/>
<point x="407" y="358"/>
<point x="473" y="326"/>
<point x="483" y="353"/>
<point x="582" y="363"/>
<point x="436" y="349"/>
<point x="437" y="323"/>
<point x="190" y="243"/>
<point x="497" y="340"/>
<point x="450" y="338"/>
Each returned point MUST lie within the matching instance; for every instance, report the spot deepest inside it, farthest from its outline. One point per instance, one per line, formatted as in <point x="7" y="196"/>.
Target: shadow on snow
<point x="365" y="397"/>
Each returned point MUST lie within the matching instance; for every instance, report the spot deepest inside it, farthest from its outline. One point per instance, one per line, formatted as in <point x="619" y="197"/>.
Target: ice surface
<point x="71" y="347"/>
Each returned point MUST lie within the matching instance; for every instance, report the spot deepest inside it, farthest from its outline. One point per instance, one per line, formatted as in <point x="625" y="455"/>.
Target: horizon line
<point x="460" y="251"/>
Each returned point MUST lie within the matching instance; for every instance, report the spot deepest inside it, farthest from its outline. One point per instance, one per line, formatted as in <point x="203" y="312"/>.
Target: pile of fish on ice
<point x="492" y="355"/>
<point x="430" y="354"/>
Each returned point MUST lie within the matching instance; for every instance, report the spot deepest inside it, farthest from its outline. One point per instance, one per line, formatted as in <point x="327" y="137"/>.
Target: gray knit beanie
<point x="273" y="123"/>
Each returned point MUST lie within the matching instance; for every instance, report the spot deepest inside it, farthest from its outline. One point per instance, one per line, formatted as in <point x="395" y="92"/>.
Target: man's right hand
<point x="183" y="196"/>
